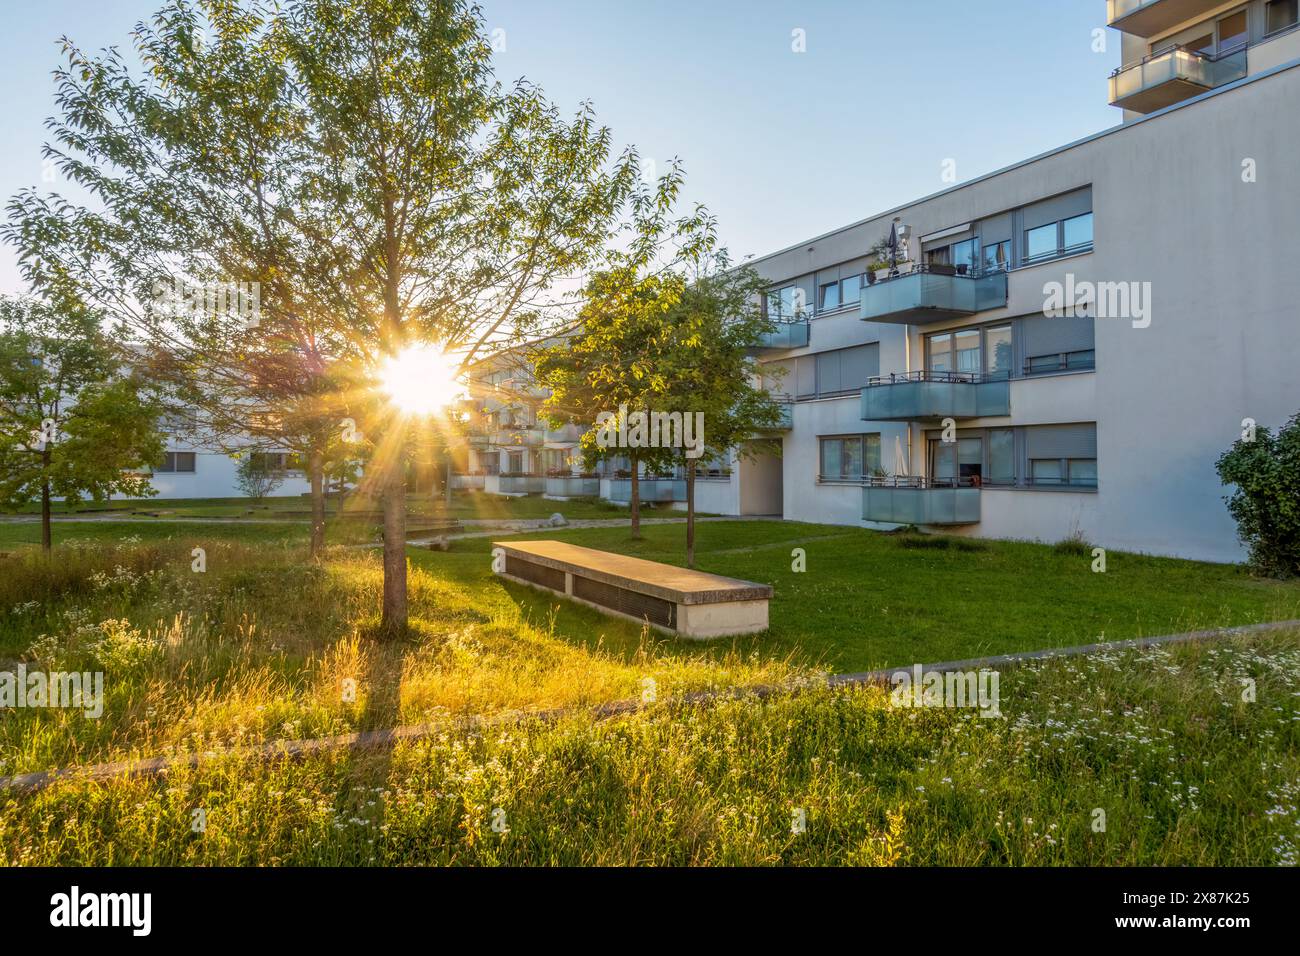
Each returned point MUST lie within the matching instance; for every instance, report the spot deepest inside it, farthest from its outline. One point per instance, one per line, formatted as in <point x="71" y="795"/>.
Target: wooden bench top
<point x="680" y="585"/>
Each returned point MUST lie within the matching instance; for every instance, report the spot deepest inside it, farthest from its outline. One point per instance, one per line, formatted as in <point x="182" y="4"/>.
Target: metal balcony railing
<point x="913" y="396"/>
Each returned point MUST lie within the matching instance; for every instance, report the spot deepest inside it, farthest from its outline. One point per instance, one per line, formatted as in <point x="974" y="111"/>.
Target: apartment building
<point x="1064" y="346"/>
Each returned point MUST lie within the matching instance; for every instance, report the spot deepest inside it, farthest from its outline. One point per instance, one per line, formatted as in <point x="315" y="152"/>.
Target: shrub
<point x="1265" y="468"/>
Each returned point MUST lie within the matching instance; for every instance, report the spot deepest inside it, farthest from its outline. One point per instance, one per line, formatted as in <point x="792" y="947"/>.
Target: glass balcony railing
<point x="933" y="294"/>
<point x="1172" y="75"/>
<point x="786" y="335"/>
<point x="1146" y="18"/>
<point x="522" y="436"/>
<point x="921" y="502"/>
<point x="650" y="489"/>
<point x="915" y="396"/>
<point x="521" y="484"/>
<point x="564" y="435"/>
<point x="572" y="486"/>
<point x="467" y="482"/>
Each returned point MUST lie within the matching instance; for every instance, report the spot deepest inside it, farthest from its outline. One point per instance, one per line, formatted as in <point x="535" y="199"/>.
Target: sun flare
<point x="420" y="379"/>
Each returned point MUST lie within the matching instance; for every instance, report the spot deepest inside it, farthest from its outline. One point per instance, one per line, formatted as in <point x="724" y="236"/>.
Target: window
<point x="276" y="461"/>
<point x="960" y="461"/>
<point x="1232" y="32"/>
<point x="1045" y="471"/>
<point x="963" y="254"/>
<point x="1282" y="14"/>
<point x="997" y="352"/>
<point x="829" y="297"/>
<point x="956" y="352"/>
<point x="941" y="353"/>
<point x="176" y="461"/>
<point x="849" y="457"/>
<point x="1040" y="242"/>
<point x="1082" y="471"/>
<point x="516" y="462"/>
<point x="939" y="257"/>
<point x="1002" y="456"/>
<point x="491" y="463"/>
<point x="786" y="304"/>
<point x="1061" y="361"/>
<point x="1077" y="232"/>
<point x="835" y="371"/>
<point x="997" y="256"/>
<point x="1059" y="238"/>
<point x="850" y="289"/>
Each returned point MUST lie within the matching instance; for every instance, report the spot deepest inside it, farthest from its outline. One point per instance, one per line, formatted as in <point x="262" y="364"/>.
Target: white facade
<point x="1197" y="205"/>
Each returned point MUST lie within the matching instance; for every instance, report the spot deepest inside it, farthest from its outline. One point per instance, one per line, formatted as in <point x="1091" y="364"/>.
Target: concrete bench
<point x="677" y="600"/>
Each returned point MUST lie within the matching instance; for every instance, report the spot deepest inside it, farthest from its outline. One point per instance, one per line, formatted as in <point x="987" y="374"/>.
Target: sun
<point x="420" y="379"/>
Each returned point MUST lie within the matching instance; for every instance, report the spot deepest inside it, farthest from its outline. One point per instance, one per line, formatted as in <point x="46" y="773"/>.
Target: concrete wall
<point x="214" y="477"/>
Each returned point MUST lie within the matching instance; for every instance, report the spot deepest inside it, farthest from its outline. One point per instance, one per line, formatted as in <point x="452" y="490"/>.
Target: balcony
<point x="786" y="421"/>
<point x="933" y="294"/>
<point x="523" y="436"/>
<point x="786" y="335"/>
<point x="662" y="490"/>
<point x="1146" y="18"/>
<point x="572" y="486"/>
<point x="516" y="484"/>
<point x="1171" y="76"/>
<point x="568" y="434"/>
<point x="467" y="482"/>
<point x="916" y="396"/>
<point x="918" y="501"/>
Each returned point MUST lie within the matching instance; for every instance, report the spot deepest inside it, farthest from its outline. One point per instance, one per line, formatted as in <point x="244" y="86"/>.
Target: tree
<point x="72" y="424"/>
<point x="610" y="364"/>
<point x="256" y="476"/>
<point x="1265" y="468"/>
<point x="357" y="159"/>
<point x="706" y="366"/>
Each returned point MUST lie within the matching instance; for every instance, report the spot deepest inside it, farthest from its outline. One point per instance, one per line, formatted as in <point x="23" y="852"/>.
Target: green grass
<point x="871" y="600"/>
<point x="1161" y="742"/>
<point x="296" y="508"/>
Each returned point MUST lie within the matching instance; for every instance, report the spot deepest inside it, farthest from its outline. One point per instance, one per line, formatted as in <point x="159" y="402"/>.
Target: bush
<point x="1266" y="501"/>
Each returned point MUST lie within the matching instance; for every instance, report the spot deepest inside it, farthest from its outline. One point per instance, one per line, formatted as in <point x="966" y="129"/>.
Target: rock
<point x="558" y="520"/>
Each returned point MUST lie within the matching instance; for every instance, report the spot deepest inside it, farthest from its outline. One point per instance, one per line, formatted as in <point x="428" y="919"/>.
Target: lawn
<point x="1136" y="758"/>
<point x="464" y="505"/>
<point x="263" y="643"/>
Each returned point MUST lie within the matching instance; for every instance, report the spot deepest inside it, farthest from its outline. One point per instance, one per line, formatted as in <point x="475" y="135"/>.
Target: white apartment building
<point x="952" y="392"/>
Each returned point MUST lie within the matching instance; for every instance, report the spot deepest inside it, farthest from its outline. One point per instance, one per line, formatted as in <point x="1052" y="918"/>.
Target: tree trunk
<point x="47" y="542"/>
<point x="316" y="467"/>
<point x="447" y="490"/>
<point x="690" y="512"/>
<point x="394" y="501"/>
<point x="636" y="500"/>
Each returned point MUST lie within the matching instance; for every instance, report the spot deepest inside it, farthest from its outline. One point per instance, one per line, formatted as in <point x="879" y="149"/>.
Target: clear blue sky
<point x="780" y="145"/>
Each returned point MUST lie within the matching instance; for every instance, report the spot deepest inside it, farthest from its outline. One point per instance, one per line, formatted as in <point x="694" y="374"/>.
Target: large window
<point x="176" y="462"/>
<point x="838" y="293"/>
<point x="1059" y="238"/>
<point x="998" y="359"/>
<point x="786" y="304"/>
<point x="997" y="256"/>
<point x="1282" y="14"/>
<point x="961" y="351"/>
<point x="516" y="465"/>
<point x="850" y="457"/>
<point x="1045" y="457"/>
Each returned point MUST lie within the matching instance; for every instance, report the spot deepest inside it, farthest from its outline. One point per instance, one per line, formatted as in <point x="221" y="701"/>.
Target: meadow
<point x="262" y="645"/>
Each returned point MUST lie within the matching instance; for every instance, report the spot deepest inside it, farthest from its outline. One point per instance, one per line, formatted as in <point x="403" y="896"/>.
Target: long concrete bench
<point x="678" y="600"/>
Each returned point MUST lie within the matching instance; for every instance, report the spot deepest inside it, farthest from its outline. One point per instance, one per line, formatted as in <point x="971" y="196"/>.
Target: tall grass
<point x="1160" y="741"/>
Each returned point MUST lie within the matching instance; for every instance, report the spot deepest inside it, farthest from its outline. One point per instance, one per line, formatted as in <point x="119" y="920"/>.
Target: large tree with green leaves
<point x="356" y="159"/>
<point x="74" y="423"/>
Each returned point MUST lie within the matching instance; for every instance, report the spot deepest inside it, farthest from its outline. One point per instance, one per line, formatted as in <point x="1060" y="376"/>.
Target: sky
<point x="791" y="117"/>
